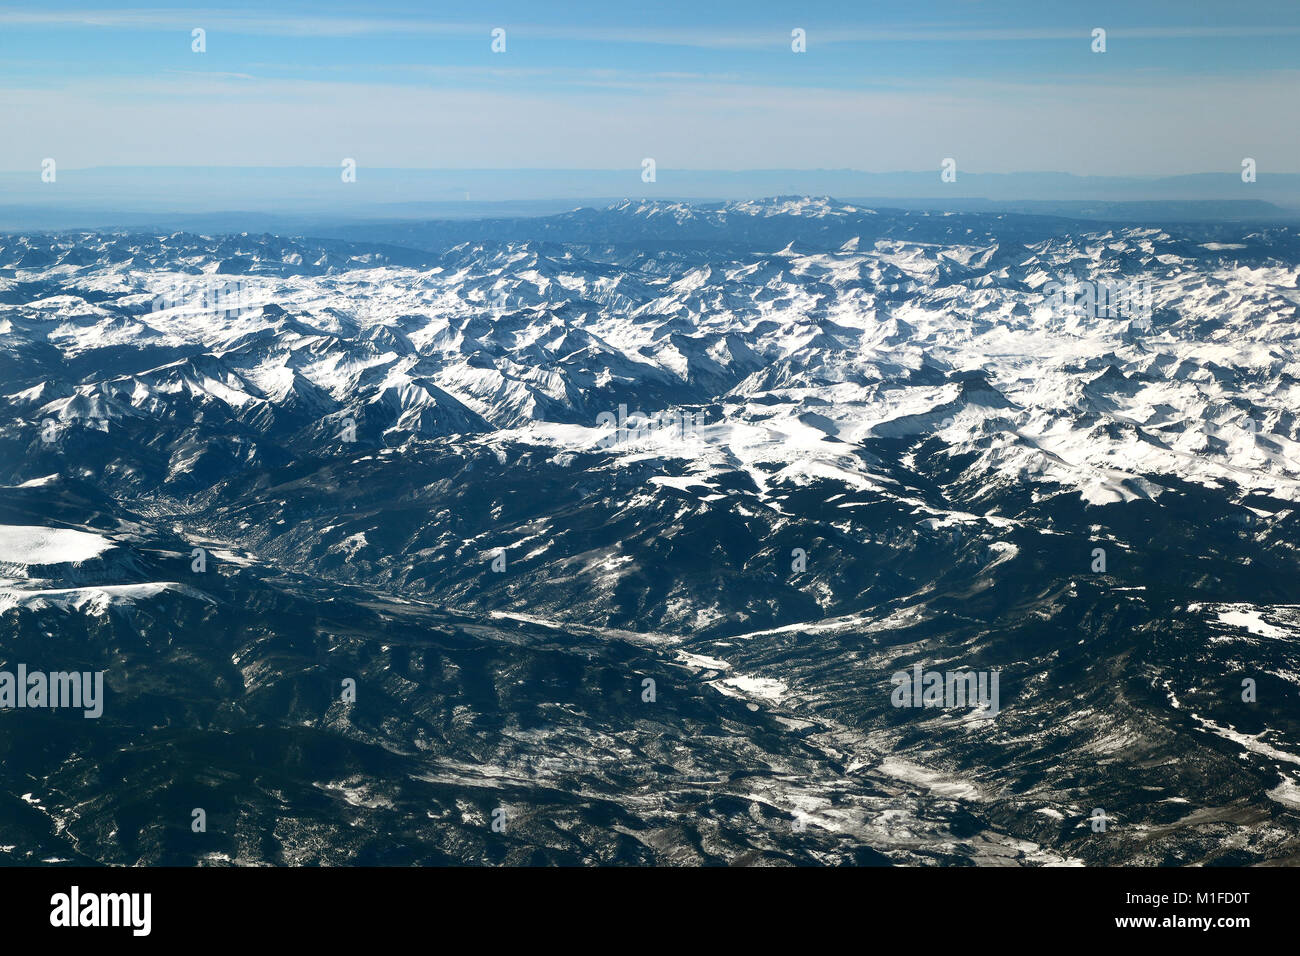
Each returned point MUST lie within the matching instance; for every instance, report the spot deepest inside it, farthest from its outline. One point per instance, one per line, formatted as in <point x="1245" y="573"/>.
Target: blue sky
<point x="1001" y="87"/>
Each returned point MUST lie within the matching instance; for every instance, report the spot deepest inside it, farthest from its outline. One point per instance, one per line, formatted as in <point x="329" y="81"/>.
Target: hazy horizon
<point x="734" y="86"/>
<point x="287" y="197"/>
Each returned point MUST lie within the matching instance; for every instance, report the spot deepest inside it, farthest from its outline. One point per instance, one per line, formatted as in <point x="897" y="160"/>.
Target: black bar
<point x="330" y="906"/>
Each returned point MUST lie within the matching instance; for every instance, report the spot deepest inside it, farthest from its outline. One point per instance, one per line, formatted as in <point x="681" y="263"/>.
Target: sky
<point x="1186" y="87"/>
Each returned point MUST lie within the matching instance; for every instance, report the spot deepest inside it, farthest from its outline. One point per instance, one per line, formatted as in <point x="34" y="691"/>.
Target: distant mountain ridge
<point x="283" y="198"/>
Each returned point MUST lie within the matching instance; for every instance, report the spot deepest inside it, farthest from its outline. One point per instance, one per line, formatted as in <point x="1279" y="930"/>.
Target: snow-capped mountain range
<point x="867" y="438"/>
<point x="799" y="354"/>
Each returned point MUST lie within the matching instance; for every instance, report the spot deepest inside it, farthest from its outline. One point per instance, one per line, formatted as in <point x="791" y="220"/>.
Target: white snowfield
<point x="88" y="600"/>
<point x="28" y="544"/>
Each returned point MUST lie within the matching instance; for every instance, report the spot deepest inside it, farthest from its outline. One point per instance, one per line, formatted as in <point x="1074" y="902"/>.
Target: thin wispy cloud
<point x="1000" y="88"/>
<point x="720" y="37"/>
